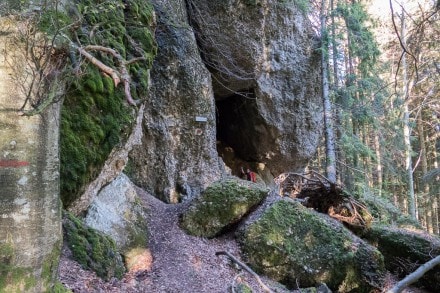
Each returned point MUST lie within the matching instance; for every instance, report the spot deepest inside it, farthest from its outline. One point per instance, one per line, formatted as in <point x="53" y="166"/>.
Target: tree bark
<point x="328" y="115"/>
<point x="407" y="84"/>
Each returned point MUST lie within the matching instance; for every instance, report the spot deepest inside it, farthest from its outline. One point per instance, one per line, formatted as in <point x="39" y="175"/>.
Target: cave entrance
<point x="238" y="140"/>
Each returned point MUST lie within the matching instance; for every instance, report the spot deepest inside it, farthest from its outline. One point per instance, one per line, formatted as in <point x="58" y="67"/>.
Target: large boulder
<point x="118" y="213"/>
<point x="178" y="157"/>
<point x="266" y="80"/>
<point x="299" y="247"/>
<point x="406" y="250"/>
<point x="221" y="205"/>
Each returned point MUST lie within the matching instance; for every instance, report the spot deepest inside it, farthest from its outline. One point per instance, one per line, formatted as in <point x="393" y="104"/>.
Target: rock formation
<point x="265" y="80"/>
<point x="30" y="221"/>
<point x="116" y="211"/>
<point x="178" y="157"/>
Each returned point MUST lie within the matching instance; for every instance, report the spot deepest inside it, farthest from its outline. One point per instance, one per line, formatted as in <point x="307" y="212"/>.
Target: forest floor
<point x="179" y="263"/>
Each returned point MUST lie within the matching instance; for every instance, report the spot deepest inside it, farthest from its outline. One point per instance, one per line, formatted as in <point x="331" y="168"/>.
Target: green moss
<point x="13" y="278"/>
<point x="93" y="250"/>
<point x="95" y="117"/>
<point x="50" y="265"/>
<point x="291" y="243"/>
<point x="60" y="288"/>
<point x="221" y="205"/>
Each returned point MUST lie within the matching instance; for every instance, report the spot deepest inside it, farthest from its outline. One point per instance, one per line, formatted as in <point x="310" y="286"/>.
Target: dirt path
<point x="181" y="263"/>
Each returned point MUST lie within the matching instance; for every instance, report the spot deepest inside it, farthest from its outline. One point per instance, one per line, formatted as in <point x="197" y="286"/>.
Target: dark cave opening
<point x="236" y="130"/>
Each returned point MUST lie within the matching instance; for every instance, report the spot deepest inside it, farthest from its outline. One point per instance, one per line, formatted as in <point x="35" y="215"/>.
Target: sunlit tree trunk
<point x="379" y="175"/>
<point x="407" y="129"/>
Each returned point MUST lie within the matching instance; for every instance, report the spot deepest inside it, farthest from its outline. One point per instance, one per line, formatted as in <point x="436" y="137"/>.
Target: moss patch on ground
<point x="221" y="205"/>
<point x="295" y="245"/>
<point x="95" y="116"/>
<point x="92" y="249"/>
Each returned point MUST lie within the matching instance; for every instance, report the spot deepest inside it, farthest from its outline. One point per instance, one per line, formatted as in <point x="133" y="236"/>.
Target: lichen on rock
<point x="297" y="246"/>
<point x="221" y="205"/>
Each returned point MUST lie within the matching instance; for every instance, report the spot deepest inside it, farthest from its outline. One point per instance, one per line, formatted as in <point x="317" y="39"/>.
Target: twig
<point x="245" y="267"/>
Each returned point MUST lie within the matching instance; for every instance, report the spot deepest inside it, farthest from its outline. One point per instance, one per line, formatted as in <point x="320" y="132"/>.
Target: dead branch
<point x="117" y="76"/>
<point x="245" y="267"/>
<point x="315" y="191"/>
<point x="107" y="69"/>
<point x="414" y="276"/>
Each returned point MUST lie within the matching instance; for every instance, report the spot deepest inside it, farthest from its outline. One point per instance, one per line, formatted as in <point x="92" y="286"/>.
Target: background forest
<point x="383" y="111"/>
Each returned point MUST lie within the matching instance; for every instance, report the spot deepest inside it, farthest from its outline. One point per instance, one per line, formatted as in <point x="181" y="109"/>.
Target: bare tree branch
<point x="414" y="276"/>
<point x="248" y="269"/>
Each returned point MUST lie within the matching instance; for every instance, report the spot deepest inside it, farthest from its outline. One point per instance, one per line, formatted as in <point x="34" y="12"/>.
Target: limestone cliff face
<point x="266" y="78"/>
<point x="263" y="99"/>
<point x="30" y="214"/>
<point x="178" y="157"/>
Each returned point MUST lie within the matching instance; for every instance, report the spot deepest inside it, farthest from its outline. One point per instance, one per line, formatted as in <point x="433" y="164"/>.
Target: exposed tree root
<point x="248" y="269"/>
<point x="315" y="191"/>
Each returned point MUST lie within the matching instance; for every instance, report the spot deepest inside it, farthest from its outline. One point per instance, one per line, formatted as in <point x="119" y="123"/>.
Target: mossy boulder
<point x="93" y="249"/>
<point x="221" y="205"/>
<point x="297" y="246"/>
<point x="406" y="250"/>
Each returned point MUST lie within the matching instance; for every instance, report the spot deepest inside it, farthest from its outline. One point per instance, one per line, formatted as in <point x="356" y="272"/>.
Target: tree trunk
<point x="328" y="115"/>
<point x="407" y="129"/>
<point x="30" y="222"/>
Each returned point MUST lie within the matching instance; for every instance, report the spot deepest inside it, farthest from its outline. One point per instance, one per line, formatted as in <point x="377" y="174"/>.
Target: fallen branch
<point x="414" y="276"/>
<point x="245" y="267"/>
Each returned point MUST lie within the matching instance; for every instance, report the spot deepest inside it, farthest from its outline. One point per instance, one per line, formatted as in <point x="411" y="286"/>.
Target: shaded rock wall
<point x="30" y="214"/>
<point x="266" y="78"/>
<point x="178" y="157"/>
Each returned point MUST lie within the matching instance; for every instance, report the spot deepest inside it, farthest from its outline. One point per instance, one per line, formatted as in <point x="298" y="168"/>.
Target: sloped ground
<point x="180" y="263"/>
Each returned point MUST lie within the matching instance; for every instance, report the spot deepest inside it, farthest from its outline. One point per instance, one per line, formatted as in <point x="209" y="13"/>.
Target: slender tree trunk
<point x="379" y="175"/>
<point x="407" y="129"/>
<point x="328" y="117"/>
<point x="427" y="203"/>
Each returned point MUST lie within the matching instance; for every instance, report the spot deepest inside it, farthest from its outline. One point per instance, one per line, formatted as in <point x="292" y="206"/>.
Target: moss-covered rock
<point x="95" y="117"/>
<point x="92" y="249"/>
<point x="296" y="246"/>
<point x="405" y="250"/>
<point x="222" y="204"/>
